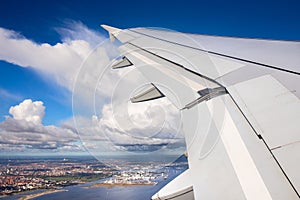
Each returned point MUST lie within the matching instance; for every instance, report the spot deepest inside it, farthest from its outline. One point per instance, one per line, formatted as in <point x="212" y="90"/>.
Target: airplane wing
<point x="239" y="99"/>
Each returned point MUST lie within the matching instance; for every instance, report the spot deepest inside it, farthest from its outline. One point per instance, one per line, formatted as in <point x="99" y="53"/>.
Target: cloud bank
<point x="139" y="127"/>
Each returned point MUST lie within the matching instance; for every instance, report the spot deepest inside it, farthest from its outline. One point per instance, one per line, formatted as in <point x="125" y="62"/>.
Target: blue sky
<point x="265" y="19"/>
<point x="50" y="22"/>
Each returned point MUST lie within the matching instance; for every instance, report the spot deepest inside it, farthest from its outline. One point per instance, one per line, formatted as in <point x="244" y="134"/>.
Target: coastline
<point x="31" y="196"/>
<point x="110" y="185"/>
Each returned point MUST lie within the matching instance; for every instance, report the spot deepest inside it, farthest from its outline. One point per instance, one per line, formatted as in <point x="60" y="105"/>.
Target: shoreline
<point x="31" y="196"/>
<point x="110" y="185"/>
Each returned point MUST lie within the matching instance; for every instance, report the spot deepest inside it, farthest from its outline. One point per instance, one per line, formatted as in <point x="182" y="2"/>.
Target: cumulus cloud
<point x="28" y="111"/>
<point x="25" y="129"/>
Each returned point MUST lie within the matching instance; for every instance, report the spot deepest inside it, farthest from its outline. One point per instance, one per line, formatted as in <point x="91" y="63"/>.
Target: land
<point x="21" y="175"/>
<point x="32" y="174"/>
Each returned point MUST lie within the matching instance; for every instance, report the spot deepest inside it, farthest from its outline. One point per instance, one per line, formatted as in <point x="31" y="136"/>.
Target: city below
<point x="53" y="174"/>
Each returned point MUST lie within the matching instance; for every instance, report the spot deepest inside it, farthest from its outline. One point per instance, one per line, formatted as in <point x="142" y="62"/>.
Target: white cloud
<point x="78" y="31"/>
<point x="28" y="111"/>
<point x="144" y="119"/>
<point x="149" y="126"/>
<point x="60" y="61"/>
<point x="25" y="129"/>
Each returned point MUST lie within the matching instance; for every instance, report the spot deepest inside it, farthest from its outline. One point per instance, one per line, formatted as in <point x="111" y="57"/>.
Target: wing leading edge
<point x="241" y="108"/>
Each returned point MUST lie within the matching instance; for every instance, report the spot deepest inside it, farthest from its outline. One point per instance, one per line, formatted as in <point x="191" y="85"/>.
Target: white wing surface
<point x="240" y="104"/>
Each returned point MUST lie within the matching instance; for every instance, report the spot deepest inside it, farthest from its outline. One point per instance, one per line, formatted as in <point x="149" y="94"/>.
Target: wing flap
<point x="271" y="108"/>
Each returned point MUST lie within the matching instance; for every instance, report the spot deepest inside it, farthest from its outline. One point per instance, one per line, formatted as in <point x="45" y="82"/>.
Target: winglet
<point x="111" y="30"/>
